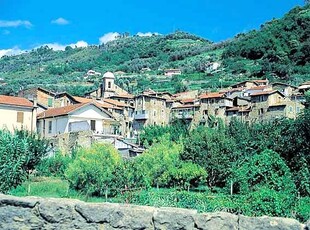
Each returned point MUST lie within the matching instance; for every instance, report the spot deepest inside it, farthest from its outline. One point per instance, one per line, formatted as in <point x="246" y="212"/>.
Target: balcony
<point x="141" y="115"/>
<point x="183" y="115"/>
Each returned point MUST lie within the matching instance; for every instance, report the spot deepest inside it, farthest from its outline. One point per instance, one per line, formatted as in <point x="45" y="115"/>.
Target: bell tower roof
<point x="108" y="75"/>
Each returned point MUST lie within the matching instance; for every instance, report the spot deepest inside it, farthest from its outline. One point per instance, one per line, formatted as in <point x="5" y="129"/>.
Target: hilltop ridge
<point x="280" y="50"/>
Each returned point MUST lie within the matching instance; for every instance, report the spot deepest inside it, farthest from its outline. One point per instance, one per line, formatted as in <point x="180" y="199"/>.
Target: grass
<point x="50" y="187"/>
<point x="203" y="201"/>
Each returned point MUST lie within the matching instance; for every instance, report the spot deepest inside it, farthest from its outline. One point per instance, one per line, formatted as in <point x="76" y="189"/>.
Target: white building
<point x="77" y="117"/>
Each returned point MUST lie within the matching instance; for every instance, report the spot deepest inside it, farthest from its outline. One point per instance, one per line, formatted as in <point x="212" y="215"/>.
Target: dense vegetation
<point x="253" y="169"/>
<point x="279" y="51"/>
<point x="20" y="153"/>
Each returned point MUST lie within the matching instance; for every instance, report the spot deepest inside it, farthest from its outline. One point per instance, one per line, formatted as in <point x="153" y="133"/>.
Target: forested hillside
<point x="280" y="50"/>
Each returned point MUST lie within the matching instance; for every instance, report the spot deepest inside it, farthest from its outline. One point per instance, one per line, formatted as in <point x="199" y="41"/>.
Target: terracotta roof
<point x="17" y="101"/>
<point x="256" y="81"/>
<point x="82" y="99"/>
<point x="105" y="105"/>
<point x="61" y="111"/>
<point x="265" y="93"/>
<point x="259" y="87"/>
<point x="114" y="102"/>
<point x="212" y="95"/>
<point x="190" y="100"/>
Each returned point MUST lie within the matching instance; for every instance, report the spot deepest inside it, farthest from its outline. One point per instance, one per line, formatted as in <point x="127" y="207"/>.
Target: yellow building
<point x="17" y="113"/>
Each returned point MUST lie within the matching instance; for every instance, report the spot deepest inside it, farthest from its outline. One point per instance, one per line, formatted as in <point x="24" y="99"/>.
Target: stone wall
<point x="39" y="213"/>
<point x="65" y="142"/>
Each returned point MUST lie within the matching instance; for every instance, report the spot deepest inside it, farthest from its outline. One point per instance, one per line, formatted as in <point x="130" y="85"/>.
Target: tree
<point x="93" y="169"/>
<point x="20" y="152"/>
<point x="162" y="167"/>
<point x="212" y="150"/>
<point x="266" y="169"/>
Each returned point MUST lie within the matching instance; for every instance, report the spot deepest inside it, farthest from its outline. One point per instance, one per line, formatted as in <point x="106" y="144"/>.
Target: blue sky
<point x="26" y="24"/>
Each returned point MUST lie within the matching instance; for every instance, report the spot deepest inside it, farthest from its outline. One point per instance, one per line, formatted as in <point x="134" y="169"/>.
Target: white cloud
<point x="16" y="23"/>
<point x="60" y="21"/>
<point x="108" y="37"/>
<point x="13" y="51"/>
<point x="147" y="34"/>
<point x="56" y="46"/>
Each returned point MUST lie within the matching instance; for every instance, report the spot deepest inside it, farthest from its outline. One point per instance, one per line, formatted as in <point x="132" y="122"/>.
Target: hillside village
<point x="163" y="120"/>
<point x="111" y="114"/>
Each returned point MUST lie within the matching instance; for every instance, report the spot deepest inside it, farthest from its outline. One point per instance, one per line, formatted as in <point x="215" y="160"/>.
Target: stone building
<point x="46" y="98"/>
<point x="270" y="104"/>
<point x="214" y="104"/>
<point x="150" y="110"/>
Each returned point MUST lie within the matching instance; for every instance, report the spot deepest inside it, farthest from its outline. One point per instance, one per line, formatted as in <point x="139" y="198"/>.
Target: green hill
<point x="280" y="50"/>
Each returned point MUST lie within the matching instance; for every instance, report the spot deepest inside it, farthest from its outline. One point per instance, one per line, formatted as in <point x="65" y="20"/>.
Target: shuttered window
<point x="20" y="117"/>
<point x="50" y="126"/>
<point x="93" y="125"/>
<point x="50" y="102"/>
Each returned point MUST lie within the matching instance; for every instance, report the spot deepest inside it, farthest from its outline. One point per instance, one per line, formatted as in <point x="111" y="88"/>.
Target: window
<point x="44" y="126"/>
<point x="50" y="102"/>
<point x="109" y="85"/>
<point x="50" y="125"/>
<point x="298" y="109"/>
<point x="92" y="125"/>
<point x="154" y="113"/>
<point x="20" y="117"/>
<point x="291" y="109"/>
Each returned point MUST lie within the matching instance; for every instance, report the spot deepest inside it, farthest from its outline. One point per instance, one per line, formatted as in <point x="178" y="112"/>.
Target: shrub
<point x="93" y="169"/>
<point x="54" y="166"/>
<point x="303" y="209"/>
<point x="266" y="201"/>
<point x="20" y="152"/>
<point x="162" y="166"/>
<point x="265" y="169"/>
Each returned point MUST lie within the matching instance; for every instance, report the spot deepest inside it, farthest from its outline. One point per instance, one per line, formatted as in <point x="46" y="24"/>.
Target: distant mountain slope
<point x="280" y="50"/>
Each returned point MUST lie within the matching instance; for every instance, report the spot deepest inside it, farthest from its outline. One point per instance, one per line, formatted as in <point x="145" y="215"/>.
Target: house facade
<point x="150" y="110"/>
<point x="46" y="98"/>
<point x="73" y="118"/>
<point x="17" y="113"/>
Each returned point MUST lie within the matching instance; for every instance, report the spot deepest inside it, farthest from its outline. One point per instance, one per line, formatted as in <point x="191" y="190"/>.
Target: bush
<point x="20" y="152"/>
<point x="266" y="169"/>
<point x="266" y="201"/>
<point x="162" y="166"/>
<point x="93" y="170"/>
<point x="54" y="166"/>
<point x="303" y="209"/>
